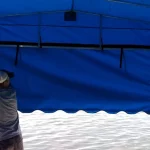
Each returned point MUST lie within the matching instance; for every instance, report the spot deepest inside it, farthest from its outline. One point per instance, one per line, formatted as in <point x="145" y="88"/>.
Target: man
<point x="10" y="133"/>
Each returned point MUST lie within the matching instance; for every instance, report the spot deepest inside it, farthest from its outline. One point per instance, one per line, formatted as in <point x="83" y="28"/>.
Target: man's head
<point x="4" y="79"/>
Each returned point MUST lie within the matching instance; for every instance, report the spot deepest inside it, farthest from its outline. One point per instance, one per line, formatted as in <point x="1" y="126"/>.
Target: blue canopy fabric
<point x="100" y="61"/>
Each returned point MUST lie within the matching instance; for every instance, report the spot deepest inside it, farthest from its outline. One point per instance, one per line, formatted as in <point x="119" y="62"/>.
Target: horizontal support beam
<point x="78" y="27"/>
<point x="131" y="3"/>
<point x="78" y="11"/>
<point x="73" y="46"/>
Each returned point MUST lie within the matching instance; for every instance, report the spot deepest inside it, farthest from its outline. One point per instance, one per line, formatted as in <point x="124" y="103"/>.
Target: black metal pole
<point x="17" y="54"/>
<point x="121" y="57"/>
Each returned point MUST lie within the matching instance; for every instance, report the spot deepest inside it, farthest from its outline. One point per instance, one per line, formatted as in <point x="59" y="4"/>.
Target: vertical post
<point x="39" y="30"/>
<point x="121" y="57"/>
<point x="101" y="30"/>
<point x="17" y="54"/>
<point x="72" y="7"/>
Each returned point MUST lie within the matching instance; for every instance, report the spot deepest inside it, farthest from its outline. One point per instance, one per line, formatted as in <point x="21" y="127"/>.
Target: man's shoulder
<point x="7" y="93"/>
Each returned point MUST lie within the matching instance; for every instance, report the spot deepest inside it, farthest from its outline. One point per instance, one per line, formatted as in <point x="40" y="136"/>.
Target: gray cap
<point x="3" y="76"/>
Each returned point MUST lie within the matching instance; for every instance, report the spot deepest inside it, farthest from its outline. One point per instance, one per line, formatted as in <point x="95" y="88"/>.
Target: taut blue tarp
<point x="97" y="61"/>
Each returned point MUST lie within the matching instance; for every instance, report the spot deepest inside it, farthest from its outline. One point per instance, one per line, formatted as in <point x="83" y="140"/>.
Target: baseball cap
<point x="3" y="76"/>
<point x="10" y="74"/>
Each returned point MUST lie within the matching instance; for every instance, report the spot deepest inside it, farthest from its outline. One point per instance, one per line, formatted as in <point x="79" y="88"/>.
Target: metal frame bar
<point x="86" y="27"/>
<point x="39" y="30"/>
<point x="115" y="17"/>
<point x="130" y="3"/>
<point x="73" y="46"/>
<point x="79" y="11"/>
<point x="101" y="34"/>
<point x="72" y="6"/>
<point x="17" y="54"/>
<point x="121" y="57"/>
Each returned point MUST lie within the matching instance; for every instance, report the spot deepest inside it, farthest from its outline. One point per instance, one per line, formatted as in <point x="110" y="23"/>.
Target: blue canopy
<point x="75" y="55"/>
